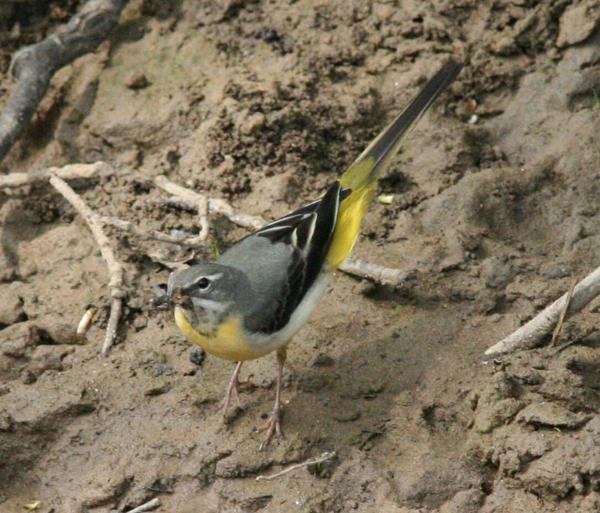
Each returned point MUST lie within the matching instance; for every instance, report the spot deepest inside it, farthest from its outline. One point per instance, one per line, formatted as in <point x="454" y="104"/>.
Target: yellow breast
<point x="228" y="342"/>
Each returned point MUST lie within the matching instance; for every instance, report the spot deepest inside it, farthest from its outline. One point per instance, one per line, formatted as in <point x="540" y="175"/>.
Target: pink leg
<point x="232" y="389"/>
<point x="273" y="426"/>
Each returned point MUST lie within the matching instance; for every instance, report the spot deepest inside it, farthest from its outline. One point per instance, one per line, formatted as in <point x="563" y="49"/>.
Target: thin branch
<point x="203" y="213"/>
<point x="221" y="207"/>
<point x="191" y="199"/>
<point x="200" y="201"/>
<point x="215" y="206"/>
<point x="187" y="199"/>
<point x="34" y="66"/>
<point x="148" y="506"/>
<point x="563" y="314"/>
<point x="530" y="334"/>
<point x="324" y="457"/>
<point x="129" y="227"/>
<point x="68" y="172"/>
<point x="115" y="268"/>
<point x="374" y="272"/>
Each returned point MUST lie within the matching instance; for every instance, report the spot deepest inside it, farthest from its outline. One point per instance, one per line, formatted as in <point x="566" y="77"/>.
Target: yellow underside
<point x="228" y="342"/>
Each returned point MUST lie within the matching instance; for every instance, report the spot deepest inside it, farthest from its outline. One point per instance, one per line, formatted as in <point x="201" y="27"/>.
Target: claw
<point x="272" y="427"/>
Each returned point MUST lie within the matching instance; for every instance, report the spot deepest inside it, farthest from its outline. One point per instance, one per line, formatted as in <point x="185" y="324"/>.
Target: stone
<point x="498" y="413"/>
<point x="140" y="322"/>
<point x="11" y="307"/>
<point x="46" y="358"/>
<point x="551" y="415"/>
<point x="136" y="80"/>
<point x="18" y="338"/>
<point x="497" y="273"/>
<point x="577" y="23"/>
<point x="252" y="123"/>
<point x="55" y="330"/>
<point x="323" y="360"/>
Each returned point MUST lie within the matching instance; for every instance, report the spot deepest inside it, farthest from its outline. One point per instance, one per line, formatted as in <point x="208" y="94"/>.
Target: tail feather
<point x="384" y="147"/>
<point x="361" y="176"/>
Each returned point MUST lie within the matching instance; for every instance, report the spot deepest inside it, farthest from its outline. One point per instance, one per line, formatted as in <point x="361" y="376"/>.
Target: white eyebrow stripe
<point x="211" y="277"/>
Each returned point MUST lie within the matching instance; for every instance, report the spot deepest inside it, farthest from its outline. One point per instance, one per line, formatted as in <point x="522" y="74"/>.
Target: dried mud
<point x="264" y="103"/>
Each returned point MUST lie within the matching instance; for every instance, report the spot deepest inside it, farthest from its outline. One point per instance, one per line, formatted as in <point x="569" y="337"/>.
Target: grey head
<point x="209" y="293"/>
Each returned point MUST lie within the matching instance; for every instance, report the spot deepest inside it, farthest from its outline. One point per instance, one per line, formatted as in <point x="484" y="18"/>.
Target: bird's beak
<point x="180" y="299"/>
<point x="165" y="299"/>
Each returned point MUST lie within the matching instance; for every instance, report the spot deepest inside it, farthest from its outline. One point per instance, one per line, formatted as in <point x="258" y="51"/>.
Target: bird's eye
<point x="203" y="284"/>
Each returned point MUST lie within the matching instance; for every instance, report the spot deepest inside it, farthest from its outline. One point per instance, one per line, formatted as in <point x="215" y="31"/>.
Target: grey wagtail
<point x="262" y="290"/>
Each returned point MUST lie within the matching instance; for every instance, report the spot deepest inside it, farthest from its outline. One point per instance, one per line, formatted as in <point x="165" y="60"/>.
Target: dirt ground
<point x="264" y="103"/>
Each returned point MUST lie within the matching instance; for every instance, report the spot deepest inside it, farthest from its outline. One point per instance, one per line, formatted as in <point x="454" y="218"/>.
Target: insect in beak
<point x="178" y="297"/>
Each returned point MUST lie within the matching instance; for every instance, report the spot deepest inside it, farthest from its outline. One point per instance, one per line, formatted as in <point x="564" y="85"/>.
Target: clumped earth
<point x="265" y="103"/>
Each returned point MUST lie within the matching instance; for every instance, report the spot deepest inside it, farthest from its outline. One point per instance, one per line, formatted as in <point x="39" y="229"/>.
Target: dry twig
<point x="148" y="506"/>
<point x="34" y="66"/>
<point x="190" y="199"/>
<point x="374" y="272"/>
<point x="563" y="314"/>
<point x="215" y="206"/>
<point x="129" y="227"/>
<point x="530" y="334"/>
<point x="199" y="200"/>
<point x="187" y="199"/>
<point x="115" y="268"/>
<point x="68" y="172"/>
<point x="324" y="457"/>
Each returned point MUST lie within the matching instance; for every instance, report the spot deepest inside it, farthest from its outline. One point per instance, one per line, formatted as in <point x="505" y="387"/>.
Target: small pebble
<point x="197" y="356"/>
<point x="323" y="360"/>
<point x="27" y="377"/>
<point x="140" y="322"/>
<point x="158" y="389"/>
<point x="136" y="80"/>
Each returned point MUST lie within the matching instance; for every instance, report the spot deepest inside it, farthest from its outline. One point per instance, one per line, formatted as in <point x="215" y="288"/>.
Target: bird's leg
<point x="232" y="389"/>
<point x="272" y="426"/>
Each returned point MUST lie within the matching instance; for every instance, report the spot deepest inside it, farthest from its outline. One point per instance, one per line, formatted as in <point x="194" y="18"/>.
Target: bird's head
<point x="207" y="293"/>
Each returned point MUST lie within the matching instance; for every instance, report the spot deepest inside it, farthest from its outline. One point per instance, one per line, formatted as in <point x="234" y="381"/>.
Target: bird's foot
<point x="233" y="391"/>
<point x="272" y="427"/>
<point x="235" y="385"/>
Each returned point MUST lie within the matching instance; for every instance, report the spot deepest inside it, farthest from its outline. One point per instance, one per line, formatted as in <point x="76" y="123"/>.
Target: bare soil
<point x="265" y="103"/>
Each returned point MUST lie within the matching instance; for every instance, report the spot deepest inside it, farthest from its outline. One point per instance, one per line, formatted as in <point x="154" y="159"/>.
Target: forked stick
<point x="115" y="269"/>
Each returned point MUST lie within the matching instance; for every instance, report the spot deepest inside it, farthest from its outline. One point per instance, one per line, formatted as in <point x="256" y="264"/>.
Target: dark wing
<point x="277" y="230"/>
<point x="308" y="231"/>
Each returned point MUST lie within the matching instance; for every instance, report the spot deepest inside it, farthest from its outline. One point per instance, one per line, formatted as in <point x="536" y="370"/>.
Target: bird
<point x="258" y="293"/>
